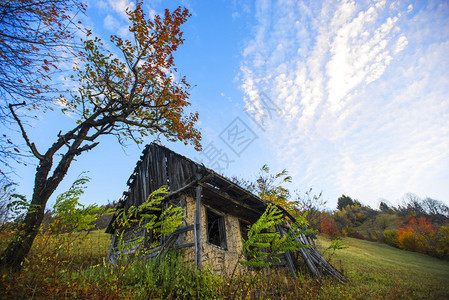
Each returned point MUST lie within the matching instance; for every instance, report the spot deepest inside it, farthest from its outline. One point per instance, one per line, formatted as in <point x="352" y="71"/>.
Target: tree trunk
<point x="18" y="249"/>
<point x="20" y="246"/>
<point x="44" y="186"/>
<point x="27" y="230"/>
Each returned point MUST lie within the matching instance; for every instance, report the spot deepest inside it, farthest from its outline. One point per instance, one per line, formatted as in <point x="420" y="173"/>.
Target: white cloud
<point x="400" y="44"/>
<point x="117" y="27"/>
<point x="120" y="6"/>
<point x="365" y="91"/>
<point x="152" y="13"/>
<point x="110" y="23"/>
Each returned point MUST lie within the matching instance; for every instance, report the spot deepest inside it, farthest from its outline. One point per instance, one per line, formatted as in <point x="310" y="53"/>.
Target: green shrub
<point x="391" y="237"/>
<point x="443" y="242"/>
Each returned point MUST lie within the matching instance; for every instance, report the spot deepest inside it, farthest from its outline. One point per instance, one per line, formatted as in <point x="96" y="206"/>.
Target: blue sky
<point x="350" y="96"/>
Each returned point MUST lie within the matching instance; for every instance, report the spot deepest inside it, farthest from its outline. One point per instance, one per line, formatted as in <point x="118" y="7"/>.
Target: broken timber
<point x="215" y="209"/>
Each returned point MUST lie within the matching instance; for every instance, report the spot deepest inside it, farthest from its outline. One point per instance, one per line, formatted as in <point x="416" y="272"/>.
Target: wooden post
<point x="198" y="243"/>
<point x="305" y="252"/>
<point x="288" y="256"/>
<point x="195" y="236"/>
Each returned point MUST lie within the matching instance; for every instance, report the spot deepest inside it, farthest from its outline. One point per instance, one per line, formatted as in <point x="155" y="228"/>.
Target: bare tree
<point x="312" y="204"/>
<point x="435" y="207"/>
<point x="410" y="203"/>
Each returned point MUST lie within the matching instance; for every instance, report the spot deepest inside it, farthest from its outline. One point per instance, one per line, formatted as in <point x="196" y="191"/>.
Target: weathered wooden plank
<point x="183" y="188"/>
<point x="172" y="172"/>
<point x="199" y="248"/>
<point x="180" y="246"/>
<point x="191" y="169"/>
<point x="135" y="193"/>
<point x="183" y="229"/>
<point x="288" y="257"/>
<point x="229" y="198"/>
<point x="141" y="190"/>
<point x="130" y="180"/>
<point x="221" y="204"/>
<point x="180" y="180"/>
<point x="164" y="171"/>
<point x="156" y="169"/>
<point x="144" y="171"/>
<point x="195" y="238"/>
<point x="153" y="169"/>
<point x="181" y="172"/>
<point x="136" y="189"/>
<point x="328" y="269"/>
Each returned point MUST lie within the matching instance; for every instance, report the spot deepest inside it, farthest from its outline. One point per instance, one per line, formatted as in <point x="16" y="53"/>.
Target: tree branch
<point x="104" y="130"/>
<point x="32" y="146"/>
<point x="84" y="148"/>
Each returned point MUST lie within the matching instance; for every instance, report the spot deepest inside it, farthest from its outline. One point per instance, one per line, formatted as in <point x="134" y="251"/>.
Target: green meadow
<point x="379" y="270"/>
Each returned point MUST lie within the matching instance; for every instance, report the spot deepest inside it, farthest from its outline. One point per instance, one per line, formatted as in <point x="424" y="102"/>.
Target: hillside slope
<point x="388" y="271"/>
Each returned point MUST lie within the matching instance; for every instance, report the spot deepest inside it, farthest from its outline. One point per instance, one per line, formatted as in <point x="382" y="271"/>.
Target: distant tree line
<point x="416" y="224"/>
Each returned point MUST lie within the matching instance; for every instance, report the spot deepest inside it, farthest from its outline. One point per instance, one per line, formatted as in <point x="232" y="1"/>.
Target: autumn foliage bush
<point x="329" y="226"/>
<point x="418" y="235"/>
<point x="357" y="235"/>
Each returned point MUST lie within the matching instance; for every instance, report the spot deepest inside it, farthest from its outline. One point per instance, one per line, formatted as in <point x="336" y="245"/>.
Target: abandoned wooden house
<point x="217" y="213"/>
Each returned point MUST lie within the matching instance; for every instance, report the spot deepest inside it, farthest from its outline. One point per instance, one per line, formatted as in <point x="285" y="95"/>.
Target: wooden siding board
<point x="144" y="171"/>
<point x="153" y="169"/>
<point x="172" y="172"/>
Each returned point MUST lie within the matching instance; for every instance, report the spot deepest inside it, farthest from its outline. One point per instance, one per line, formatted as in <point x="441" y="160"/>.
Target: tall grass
<point x="168" y="277"/>
<point x="50" y="263"/>
<point x="72" y="267"/>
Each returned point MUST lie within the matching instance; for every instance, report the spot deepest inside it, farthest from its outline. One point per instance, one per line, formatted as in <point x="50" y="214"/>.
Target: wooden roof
<point x="159" y="166"/>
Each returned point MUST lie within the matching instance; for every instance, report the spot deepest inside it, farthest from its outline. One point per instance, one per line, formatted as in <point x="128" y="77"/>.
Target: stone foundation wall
<point x="221" y="261"/>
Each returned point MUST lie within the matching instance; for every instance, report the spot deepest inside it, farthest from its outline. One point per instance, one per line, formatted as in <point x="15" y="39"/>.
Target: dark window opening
<point x="216" y="229"/>
<point x="244" y="229"/>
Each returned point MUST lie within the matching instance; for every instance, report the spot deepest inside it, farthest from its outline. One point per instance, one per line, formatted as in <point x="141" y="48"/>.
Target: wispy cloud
<point x="111" y="23"/>
<point x="365" y="92"/>
<point x="120" y="6"/>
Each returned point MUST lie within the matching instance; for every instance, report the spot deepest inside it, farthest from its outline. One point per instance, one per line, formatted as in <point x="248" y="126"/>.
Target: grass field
<point x="382" y="271"/>
<point x="60" y="267"/>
